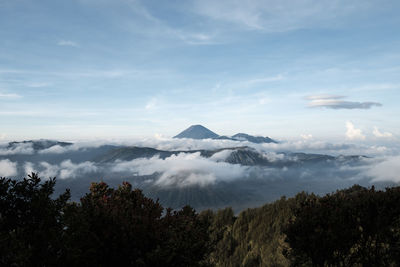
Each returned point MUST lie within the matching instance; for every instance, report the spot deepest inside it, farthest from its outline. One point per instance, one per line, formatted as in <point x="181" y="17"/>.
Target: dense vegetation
<point x="109" y="227"/>
<point x="122" y="227"/>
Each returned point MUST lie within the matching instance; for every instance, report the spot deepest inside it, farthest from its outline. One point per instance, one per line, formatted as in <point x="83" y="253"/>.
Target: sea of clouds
<point x="187" y="169"/>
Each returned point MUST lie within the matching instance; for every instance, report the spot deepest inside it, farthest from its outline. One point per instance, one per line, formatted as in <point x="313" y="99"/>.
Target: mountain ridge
<point x="200" y="132"/>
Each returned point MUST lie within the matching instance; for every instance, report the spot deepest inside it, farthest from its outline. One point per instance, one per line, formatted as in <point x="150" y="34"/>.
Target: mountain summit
<point x="197" y="132"/>
<point x="252" y="139"/>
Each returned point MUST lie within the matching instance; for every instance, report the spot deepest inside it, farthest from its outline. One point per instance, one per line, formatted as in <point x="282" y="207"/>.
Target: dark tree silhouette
<point x="122" y="227"/>
<point x="108" y="227"/>
<point x="353" y="227"/>
<point x="31" y="222"/>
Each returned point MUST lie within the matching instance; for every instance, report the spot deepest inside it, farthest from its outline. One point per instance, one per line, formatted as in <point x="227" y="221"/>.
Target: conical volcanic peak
<point x="197" y="132"/>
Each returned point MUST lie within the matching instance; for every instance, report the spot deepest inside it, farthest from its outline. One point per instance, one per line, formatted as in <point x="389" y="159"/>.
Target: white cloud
<point x="184" y="169"/>
<point x="67" y="43"/>
<point x="352" y="133"/>
<point x="48" y="170"/>
<point x="273" y="156"/>
<point x="7" y="168"/>
<point x="29" y="168"/>
<point x="222" y="155"/>
<point x="67" y="169"/>
<point x="320" y="97"/>
<point x="71" y="170"/>
<point x="302" y="145"/>
<point x="163" y="143"/>
<point x="379" y="134"/>
<point x="387" y="170"/>
<point x="306" y="136"/>
<point x="336" y="102"/>
<point x="18" y="148"/>
<point x="57" y="149"/>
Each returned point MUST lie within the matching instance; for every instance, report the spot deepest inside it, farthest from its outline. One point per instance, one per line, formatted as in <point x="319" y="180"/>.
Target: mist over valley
<point x="202" y="170"/>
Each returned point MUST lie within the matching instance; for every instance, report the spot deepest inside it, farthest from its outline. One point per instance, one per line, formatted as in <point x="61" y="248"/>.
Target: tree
<point x="122" y="227"/>
<point x="31" y="222"/>
<point x="357" y="226"/>
<point x="108" y="227"/>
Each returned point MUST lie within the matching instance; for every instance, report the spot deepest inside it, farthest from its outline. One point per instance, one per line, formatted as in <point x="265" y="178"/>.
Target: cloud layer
<point x="64" y="170"/>
<point x="387" y="170"/>
<point x="337" y="102"/>
<point x="7" y="168"/>
<point x="184" y="169"/>
<point x="19" y="148"/>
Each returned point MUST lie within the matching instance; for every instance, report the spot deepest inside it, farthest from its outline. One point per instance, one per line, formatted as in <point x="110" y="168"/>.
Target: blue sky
<point x="82" y="69"/>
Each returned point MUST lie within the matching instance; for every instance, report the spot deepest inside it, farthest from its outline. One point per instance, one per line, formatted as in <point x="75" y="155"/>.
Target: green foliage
<point x="354" y="227"/>
<point x="122" y="224"/>
<point x="122" y="227"/>
<point x="31" y="222"/>
<point x="109" y="227"/>
<point x="254" y="238"/>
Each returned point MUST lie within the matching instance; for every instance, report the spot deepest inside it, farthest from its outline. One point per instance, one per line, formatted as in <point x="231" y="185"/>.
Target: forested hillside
<point x="253" y="238"/>
<point x="122" y="227"/>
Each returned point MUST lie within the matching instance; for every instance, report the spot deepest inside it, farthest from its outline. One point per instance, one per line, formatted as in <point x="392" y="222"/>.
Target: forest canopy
<point x="121" y="226"/>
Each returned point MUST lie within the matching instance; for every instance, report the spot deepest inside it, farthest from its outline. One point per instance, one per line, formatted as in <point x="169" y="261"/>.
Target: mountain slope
<point x="197" y="132"/>
<point x="38" y="144"/>
<point x="252" y="139"/>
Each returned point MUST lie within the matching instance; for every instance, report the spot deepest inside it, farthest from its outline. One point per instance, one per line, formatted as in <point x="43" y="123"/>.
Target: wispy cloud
<point x="278" y="77"/>
<point x="37" y="84"/>
<point x="89" y="73"/>
<point x="248" y="82"/>
<point x="151" y="104"/>
<point x="6" y="95"/>
<point x="275" y="16"/>
<point x="337" y="102"/>
<point x="67" y="43"/>
<point x="193" y="37"/>
<point x="148" y="24"/>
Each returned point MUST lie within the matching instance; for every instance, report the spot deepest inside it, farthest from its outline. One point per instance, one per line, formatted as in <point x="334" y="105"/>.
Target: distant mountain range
<point x="242" y="155"/>
<point x="246" y="156"/>
<point x="39" y="144"/>
<point x="268" y="175"/>
<point x="201" y="132"/>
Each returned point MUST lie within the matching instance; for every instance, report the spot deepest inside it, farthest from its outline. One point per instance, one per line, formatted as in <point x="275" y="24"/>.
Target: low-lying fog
<point x="206" y="173"/>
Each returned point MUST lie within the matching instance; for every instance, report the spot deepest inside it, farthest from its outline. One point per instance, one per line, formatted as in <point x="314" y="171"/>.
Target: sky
<point x="90" y="69"/>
